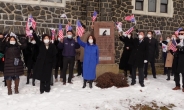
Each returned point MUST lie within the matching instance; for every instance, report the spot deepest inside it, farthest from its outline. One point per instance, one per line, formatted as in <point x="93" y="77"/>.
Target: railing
<point x="57" y="3"/>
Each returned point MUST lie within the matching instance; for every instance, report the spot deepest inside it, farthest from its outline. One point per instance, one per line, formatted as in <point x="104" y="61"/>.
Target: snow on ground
<point x="73" y="97"/>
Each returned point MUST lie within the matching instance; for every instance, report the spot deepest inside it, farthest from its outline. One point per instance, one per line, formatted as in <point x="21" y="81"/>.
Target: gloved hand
<point x="125" y="35"/>
<point x="32" y="30"/>
<point x="145" y="61"/>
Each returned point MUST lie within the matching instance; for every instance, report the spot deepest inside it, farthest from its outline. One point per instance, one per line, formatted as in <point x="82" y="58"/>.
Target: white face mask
<point x="149" y="36"/>
<point x="140" y="36"/>
<point x="69" y="36"/>
<point x="33" y="42"/>
<point x="181" y="37"/>
<point x="129" y="36"/>
<point x="90" y="41"/>
<point x="46" y="41"/>
<point x="168" y="40"/>
<point x="12" y="42"/>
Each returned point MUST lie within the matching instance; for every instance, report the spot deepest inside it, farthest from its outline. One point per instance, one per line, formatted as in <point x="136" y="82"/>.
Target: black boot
<point x="84" y="84"/>
<point x="5" y="84"/>
<point x="125" y="73"/>
<point x="90" y="83"/>
<point x="168" y="75"/>
<point x="51" y="80"/>
<point x="28" y="74"/>
<point x="33" y="82"/>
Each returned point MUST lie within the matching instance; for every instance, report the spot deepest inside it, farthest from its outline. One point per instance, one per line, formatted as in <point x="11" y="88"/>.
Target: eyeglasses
<point x="181" y="34"/>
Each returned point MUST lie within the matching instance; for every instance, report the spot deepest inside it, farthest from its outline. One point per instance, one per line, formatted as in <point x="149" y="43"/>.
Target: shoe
<point x="9" y="82"/>
<point x="154" y="77"/>
<point x="183" y="90"/>
<point x="64" y="83"/>
<point x="133" y="83"/>
<point x="41" y="92"/>
<point x="79" y="75"/>
<point x="142" y="85"/>
<point x="90" y="84"/>
<point x="168" y="79"/>
<point x="17" y="86"/>
<point x="176" y="88"/>
<point x="33" y="82"/>
<point x="70" y="82"/>
<point x="84" y="84"/>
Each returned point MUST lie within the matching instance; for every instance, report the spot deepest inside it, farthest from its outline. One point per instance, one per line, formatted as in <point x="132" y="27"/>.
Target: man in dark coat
<point x="153" y="53"/>
<point x="127" y="49"/>
<point x="45" y="62"/>
<point x="68" y="45"/>
<point x="180" y="60"/>
<point x="138" y="57"/>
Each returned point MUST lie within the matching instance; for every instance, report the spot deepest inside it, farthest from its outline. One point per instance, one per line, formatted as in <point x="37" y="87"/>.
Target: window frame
<point x="164" y="5"/>
<point x="154" y="6"/>
<point x="169" y="13"/>
<point x="39" y="2"/>
<point x="139" y="2"/>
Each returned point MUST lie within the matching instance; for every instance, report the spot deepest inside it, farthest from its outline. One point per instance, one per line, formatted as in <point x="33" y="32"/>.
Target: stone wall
<point x="14" y="16"/>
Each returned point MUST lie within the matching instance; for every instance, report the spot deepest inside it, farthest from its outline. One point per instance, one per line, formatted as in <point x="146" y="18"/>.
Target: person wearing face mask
<point x="45" y="62"/>
<point x="138" y="57"/>
<point x="13" y="66"/>
<point x="91" y="59"/>
<point x="31" y="52"/>
<point x="127" y="49"/>
<point x="59" y="60"/>
<point x="153" y="53"/>
<point x="164" y="46"/>
<point x="80" y="51"/>
<point x="180" y="60"/>
<point x="69" y="45"/>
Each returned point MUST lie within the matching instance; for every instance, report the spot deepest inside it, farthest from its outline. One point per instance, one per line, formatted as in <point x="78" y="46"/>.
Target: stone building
<point x="164" y="15"/>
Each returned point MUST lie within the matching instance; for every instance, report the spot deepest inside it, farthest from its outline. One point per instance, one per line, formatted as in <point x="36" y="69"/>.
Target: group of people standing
<point x="43" y="57"/>
<point x="144" y="49"/>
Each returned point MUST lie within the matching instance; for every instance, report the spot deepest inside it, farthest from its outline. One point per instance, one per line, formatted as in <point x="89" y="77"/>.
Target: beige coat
<point x="80" y="51"/>
<point x="169" y="58"/>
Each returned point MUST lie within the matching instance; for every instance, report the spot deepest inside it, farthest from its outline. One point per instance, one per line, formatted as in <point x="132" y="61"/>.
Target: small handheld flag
<point x="94" y="16"/>
<point x="60" y="32"/>
<point x="80" y="29"/>
<point x="176" y="32"/>
<point x="173" y="46"/>
<point x="129" y="31"/>
<point x="157" y="32"/>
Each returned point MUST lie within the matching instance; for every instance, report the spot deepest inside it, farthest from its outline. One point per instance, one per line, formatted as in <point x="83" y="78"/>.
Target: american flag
<point x="80" y="29"/>
<point x="60" y="32"/>
<point x="176" y="32"/>
<point x="173" y="46"/>
<point x="53" y="33"/>
<point x="130" y="18"/>
<point x="129" y="31"/>
<point x="68" y="27"/>
<point x="30" y="23"/>
<point x="94" y="16"/>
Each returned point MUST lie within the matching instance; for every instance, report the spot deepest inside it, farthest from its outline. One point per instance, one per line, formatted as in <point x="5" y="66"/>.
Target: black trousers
<point x="59" y="63"/>
<point x="152" y="68"/>
<point x="164" y="54"/>
<point x="177" y="79"/>
<point x="141" y="74"/>
<point x="68" y="61"/>
<point x="80" y="67"/>
<point x="1" y="65"/>
<point x="44" y="86"/>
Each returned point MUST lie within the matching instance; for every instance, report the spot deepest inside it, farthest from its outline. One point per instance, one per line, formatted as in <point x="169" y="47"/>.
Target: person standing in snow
<point x="45" y="63"/>
<point x="31" y="52"/>
<point x="180" y="60"/>
<point x="91" y="59"/>
<point x="68" y="45"/>
<point x="138" y="57"/>
<point x="127" y="40"/>
<point x="13" y="66"/>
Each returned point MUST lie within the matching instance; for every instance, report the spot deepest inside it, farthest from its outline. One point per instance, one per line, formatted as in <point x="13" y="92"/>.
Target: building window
<point x="162" y="8"/>
<point x="54" y="3"/>
<point x="152" y="5"/>
<point x="139" y="4"/>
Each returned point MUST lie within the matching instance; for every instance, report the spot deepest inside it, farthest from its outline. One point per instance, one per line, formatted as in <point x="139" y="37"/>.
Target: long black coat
<point x="139" y="53"/>
<point x="153" y="51"/>
<point x="126" y="53"/>
<point x="31" y="52"/>
<point x="180" y="67"/>
<point x="11" y="52"/>
<point x="45" y="61"/>
<point x="2" y="47"/>
<point x="59" y="56"/>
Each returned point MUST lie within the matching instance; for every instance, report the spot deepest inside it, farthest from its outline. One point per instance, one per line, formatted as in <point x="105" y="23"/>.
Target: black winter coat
<point x="45" y="61"/>
<point x="153" y="51"/>
<point x="126" y="53"/>
<point x="139" y="53"/>
<point x="11" y="52"/>
<point x="180" y="68"/>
